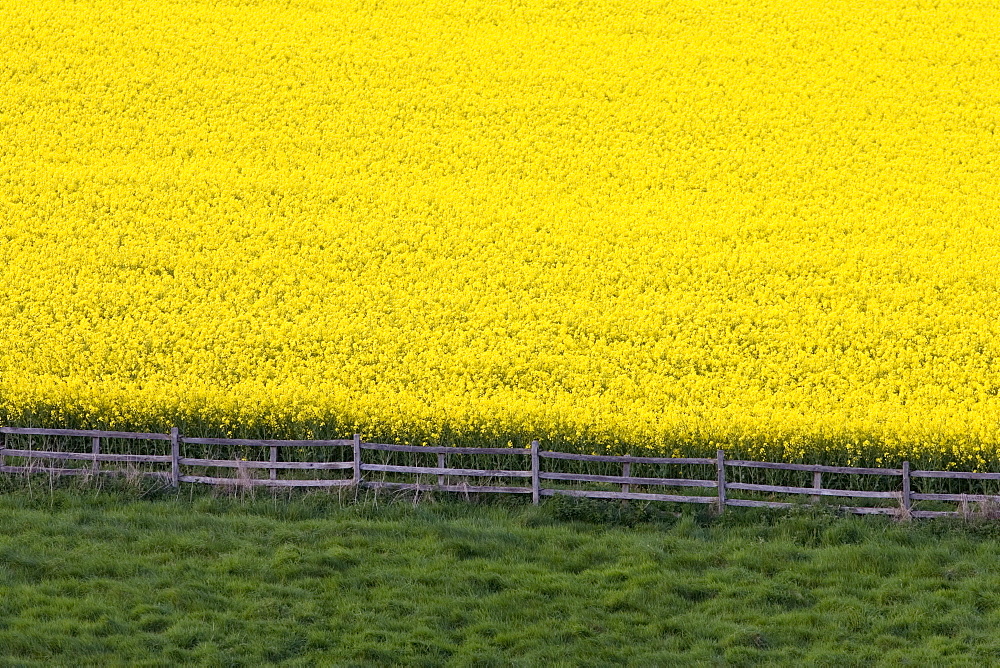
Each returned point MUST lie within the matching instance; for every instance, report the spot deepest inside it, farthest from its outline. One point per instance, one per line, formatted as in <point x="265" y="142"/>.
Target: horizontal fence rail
<point x="525" y="475"/>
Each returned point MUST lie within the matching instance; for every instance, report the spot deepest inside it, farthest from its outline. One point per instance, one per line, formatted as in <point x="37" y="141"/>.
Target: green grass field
<point x="100" y="577"/>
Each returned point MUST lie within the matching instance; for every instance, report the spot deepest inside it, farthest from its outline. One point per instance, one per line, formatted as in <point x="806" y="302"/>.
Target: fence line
<point x="177" y="469"/>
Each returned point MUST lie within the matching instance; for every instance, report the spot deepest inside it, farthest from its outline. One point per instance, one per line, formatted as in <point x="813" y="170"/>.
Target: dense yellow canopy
<point x="656" y="224"/>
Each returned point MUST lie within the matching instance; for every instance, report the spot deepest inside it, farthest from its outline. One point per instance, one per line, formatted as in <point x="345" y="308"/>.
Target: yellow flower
<point x="667" y="226"/>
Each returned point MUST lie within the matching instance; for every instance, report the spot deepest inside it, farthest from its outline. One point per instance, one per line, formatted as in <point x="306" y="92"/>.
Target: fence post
<point x="906" y="488"/>
<point x="720" y="472"/>
<point x="274" y="458"/>
<point x="536" y="486"/>
<point x="626" y="473"/>
<point x="441" y="463"/>
<point x="357" y="460"/>
<point x="175" y="457"/>
<point x="817" y="484"/>
<point x="3" y="448"/>
<point x="95" y="449"/>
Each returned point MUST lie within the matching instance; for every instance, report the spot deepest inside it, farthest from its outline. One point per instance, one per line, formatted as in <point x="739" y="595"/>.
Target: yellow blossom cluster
<point x="770" y="226"/>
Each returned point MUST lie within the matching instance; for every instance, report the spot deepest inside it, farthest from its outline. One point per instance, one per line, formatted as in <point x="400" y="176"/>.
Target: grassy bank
<point x="93" y="576"/>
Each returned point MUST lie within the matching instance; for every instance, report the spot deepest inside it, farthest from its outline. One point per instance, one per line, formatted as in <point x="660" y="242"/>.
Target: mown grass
<point x="100" y="576"/>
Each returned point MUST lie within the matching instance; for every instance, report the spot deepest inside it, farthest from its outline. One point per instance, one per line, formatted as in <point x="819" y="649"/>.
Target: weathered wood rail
<point x="529" y="476"/>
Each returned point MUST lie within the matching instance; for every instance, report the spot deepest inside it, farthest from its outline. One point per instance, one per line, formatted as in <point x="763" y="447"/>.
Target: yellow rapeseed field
<point x="773" y="226"/>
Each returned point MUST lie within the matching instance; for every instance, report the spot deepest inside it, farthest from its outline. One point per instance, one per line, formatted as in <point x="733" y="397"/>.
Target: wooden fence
<point x="528" y="476"/>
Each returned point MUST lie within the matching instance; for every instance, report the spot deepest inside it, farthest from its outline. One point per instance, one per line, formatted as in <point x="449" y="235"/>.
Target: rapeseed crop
<point x="627" y="225"/>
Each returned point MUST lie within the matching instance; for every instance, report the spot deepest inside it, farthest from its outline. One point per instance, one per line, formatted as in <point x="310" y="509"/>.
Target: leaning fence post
<point x="175" y="457"/>
<point x="95" y="449"/>
<point x="357" y="460"/>
<point x="720" y="481"/>
<point x="536" y="483"/>
<point x="906" y="487"/>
